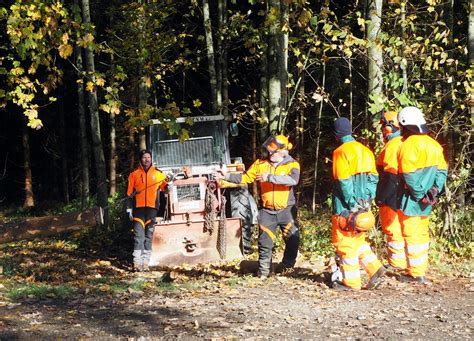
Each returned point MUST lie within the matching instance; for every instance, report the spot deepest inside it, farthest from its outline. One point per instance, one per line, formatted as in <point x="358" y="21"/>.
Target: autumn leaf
<point x="100" y="81"/>
<point x="90" y="86"/>
<point x="65" y="50"/>
<point x="197" y="103"/>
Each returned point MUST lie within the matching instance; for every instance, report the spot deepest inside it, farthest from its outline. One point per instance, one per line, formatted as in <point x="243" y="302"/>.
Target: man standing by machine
<point x="277" y="175"/>
<point x="144" y="185"/>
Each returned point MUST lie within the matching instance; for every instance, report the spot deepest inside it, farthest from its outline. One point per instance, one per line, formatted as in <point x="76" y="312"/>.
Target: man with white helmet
<point x="277" y="175"/>
<point x="423" y="170"/>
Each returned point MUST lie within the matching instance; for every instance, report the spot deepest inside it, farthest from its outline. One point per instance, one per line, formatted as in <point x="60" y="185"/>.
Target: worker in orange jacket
<point x="277" y="175"/>
<point x="355" y="180"/>
<point x="424" y="170"/>
<point x="389" y="190"/>
<point x="144" y="185"/>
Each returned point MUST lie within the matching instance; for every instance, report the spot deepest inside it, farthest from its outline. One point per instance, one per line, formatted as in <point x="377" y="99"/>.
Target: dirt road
<point x="223" y="304"/>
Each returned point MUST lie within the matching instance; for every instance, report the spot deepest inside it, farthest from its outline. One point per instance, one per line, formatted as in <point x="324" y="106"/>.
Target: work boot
<point x="283" y="268"/>
<point x="338" y="286"/>
<point x="376" y="279"/>
<point x="263" y="274"/>
<point x="146" y="268"/>
<point x="137" y="267"/>
<point x="393" y="269"/>
<point x="413" y="279"/>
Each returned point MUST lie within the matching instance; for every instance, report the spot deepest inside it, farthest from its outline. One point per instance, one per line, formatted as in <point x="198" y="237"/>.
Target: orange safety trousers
<point x="353" y="250"/>
<point x="395" y="242"/>
<point x="415" y="231"/>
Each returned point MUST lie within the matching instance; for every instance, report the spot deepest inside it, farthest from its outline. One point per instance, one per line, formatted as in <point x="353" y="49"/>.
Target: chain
<point x="221" y="238"/>
<point x="209" y="208"/>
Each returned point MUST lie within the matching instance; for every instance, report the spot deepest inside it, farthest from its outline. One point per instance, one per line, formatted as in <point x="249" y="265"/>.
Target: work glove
<point x="363" y="205"/>
<point x="346" y="214"/>
<point x="263" y="176"/>
<point x="430" y="197"/>
<point x="130" y="213"/>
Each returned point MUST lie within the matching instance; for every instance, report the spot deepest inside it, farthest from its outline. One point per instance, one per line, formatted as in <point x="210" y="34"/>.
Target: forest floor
<point x="53" y="292"/>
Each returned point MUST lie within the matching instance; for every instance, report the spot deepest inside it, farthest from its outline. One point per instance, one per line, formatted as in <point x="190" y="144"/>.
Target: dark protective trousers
<point x="269" y="221"/>
<point x="143" y="229"/>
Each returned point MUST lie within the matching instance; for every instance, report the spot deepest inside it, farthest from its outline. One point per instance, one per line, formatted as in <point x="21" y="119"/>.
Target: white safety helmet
<point x="412" y="116"/>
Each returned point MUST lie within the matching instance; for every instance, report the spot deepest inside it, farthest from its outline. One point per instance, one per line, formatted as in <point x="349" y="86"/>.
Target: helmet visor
<point x="272" y="145"/>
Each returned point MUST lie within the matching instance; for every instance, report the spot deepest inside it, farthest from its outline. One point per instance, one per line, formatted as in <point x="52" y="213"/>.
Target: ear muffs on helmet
<point x="389" y="122"/>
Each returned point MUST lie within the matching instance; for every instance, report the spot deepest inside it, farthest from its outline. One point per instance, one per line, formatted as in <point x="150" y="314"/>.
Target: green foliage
<point x="315" y="232"/>
<point x="40" y="292"/>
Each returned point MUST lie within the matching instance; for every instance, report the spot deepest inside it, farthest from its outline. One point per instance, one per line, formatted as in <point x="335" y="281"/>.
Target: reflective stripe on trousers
<point x="395" y="242"/>
<point x="354" y="251"/>
<point x="268" y="224"/>
<point x="415" y="231"/>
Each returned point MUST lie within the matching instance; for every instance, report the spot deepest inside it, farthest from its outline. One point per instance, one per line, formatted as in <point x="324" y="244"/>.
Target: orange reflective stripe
<point x="147" y="222"/>
<point x="287" y="228"/>
<point x="268" y="231"/>
<point x="140" y="221"/>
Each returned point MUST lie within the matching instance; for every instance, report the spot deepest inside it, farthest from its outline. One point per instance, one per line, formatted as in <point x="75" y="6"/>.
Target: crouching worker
<point x="355" y="180"/>
<point x="144" y="185"/>
<point x="277" y="176"/>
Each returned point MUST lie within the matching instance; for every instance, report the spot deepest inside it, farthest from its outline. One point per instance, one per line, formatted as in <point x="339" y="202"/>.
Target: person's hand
<point x="262" y="177"/>
<point x="220" y="173"/>
<point x="430" y="197"/>
<point x="130" y="213"/>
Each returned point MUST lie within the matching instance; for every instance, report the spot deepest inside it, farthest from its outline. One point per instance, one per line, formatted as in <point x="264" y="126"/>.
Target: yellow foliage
<point x="197" y="103"/>
<point x="65" y="50"/>
<point x="100" y="81"/>
<point x="90" y="86"/>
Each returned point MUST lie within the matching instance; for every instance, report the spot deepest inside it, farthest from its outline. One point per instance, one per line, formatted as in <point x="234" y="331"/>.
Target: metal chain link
<point x="210" y="212"/>
<point x="221" y="238"/>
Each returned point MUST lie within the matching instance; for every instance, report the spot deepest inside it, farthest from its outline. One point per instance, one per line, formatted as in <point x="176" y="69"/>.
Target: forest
<point x="82" y="79"/>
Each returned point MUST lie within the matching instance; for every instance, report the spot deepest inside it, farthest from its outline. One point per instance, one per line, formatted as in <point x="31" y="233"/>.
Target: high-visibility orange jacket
<point x="388" y="187"/>
<point x="354" y="173"/>
<point x="277" y="192"/>
<point x="146" y="185"/>
<point x="422" y="165"/>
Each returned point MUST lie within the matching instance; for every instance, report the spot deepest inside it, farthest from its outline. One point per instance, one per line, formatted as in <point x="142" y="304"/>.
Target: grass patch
<point x="40" y="292"/>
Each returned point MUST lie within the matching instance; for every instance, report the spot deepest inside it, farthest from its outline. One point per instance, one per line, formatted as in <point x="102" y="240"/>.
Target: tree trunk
<point x="283" y="63"/>
<point x="273" y="66"/>
<point x="216" y="96"/>
<point x="403" y="64"/>
<point x="64" y="154"/>
<point x="40" y="227"/>
<point x="97" y="149"/>
<point x="318" y="139"/>
<point x="142" y="85"/>
<point x="263" y="100"/>
<point x="112" y="134"/>
<point x="83" y="144"/>
<point x="375" y="57"/>
<point x="223" y="65"/>
<point x="29" y="196"/>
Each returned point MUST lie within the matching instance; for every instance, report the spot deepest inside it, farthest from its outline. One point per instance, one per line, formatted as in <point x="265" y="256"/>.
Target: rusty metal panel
<point x="177" y="243"/>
